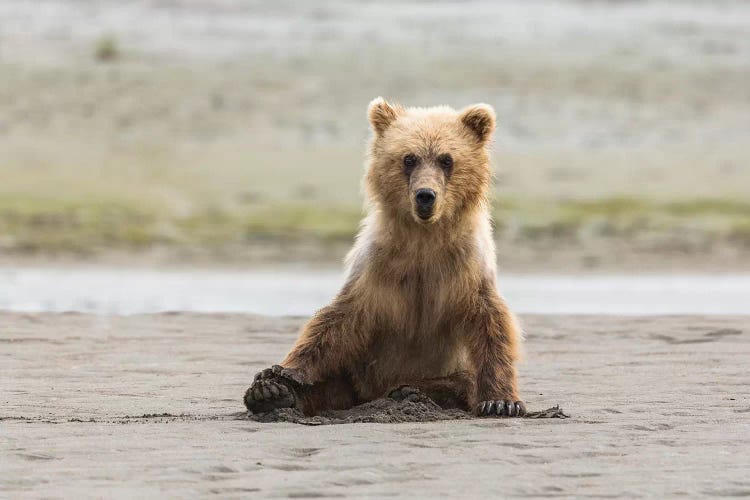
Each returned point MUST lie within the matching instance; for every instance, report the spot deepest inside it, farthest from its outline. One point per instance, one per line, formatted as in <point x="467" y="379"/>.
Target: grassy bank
<point x="36" y="226"/>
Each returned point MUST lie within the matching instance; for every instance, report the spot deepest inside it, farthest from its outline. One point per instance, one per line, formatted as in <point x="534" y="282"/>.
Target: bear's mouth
<point x="424" y="215"/>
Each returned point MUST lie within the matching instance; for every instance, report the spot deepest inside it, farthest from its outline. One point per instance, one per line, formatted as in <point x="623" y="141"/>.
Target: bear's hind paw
<point x="405" y="393"/>
<point x="268" y="394"/>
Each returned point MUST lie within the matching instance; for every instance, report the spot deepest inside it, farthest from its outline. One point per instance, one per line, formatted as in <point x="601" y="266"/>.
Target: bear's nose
<point x="425" y="198"/>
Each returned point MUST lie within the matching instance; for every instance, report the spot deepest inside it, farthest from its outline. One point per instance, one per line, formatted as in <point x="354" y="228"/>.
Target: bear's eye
<point x="446" y="162"/>
<point x="410" y="161"/>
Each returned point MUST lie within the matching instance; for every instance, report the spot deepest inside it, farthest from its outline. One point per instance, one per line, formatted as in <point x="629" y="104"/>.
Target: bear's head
<point x="429" y="164"/>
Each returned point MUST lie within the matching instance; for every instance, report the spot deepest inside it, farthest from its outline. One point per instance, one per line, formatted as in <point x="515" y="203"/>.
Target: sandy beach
<point x="150" y="406"/>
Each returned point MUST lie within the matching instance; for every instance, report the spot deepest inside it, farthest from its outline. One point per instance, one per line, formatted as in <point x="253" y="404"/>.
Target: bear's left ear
<point x="480" y="119"/>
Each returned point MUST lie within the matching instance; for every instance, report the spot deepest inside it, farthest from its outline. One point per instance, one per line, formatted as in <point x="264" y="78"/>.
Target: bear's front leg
<point x="331" y="341"/>
<point x="494" y="348"/>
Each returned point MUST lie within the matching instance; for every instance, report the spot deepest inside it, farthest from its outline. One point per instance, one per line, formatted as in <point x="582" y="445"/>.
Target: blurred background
<point x="226" y="139"/>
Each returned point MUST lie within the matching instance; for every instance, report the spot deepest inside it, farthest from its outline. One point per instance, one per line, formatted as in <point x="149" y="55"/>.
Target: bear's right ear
<point x="381" y="115"/>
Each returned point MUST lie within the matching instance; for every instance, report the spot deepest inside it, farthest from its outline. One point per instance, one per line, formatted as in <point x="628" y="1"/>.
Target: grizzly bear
<point x="419" y="311"/>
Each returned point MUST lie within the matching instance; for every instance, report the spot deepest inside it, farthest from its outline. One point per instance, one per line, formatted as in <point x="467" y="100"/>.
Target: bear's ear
<point x="381" y="114"/>
<point x="480" y="119"/>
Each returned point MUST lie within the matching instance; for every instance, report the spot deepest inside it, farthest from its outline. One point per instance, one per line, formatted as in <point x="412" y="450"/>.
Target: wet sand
<point x="150" y="405"/>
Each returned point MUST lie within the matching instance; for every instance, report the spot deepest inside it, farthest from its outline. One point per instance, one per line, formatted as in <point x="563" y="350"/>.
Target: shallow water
<point x="297" y="291"/>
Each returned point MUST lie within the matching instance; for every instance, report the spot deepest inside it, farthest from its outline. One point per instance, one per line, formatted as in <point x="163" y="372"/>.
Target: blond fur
<point x="420" y="301"/>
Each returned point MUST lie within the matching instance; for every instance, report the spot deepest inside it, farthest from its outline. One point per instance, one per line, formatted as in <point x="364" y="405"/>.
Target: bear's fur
<point x="419" y="307"/>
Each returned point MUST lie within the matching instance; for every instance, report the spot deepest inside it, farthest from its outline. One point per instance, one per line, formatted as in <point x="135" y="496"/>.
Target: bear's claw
<point x="279" y="372"/>
<point x="501" y="408"/>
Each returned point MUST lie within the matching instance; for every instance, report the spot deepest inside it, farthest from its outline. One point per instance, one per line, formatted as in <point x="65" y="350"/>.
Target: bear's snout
<point x="425" y="200"/>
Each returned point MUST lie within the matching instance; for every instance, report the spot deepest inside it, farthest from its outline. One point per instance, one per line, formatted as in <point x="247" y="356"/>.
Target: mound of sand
<point x="385" y="411"/>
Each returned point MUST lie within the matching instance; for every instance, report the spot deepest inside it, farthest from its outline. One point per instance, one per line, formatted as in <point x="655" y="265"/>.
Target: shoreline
<point x="616" y="256"/>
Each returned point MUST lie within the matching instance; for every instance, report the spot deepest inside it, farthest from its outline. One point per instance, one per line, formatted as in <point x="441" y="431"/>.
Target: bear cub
<point x="419" y="310"/>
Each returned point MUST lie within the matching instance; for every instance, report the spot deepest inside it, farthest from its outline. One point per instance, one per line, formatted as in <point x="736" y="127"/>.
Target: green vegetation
<point x="106" y="49"/>
<point x="41" y="226"/>
<point x="627" y="218"/>
<point x="29" y="225"/>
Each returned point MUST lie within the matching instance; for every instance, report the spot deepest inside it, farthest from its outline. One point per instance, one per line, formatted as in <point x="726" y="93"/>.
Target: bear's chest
<point x="417" y="315"/>
<point x="418" y="320"/>
<point x="419" y="303"/>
